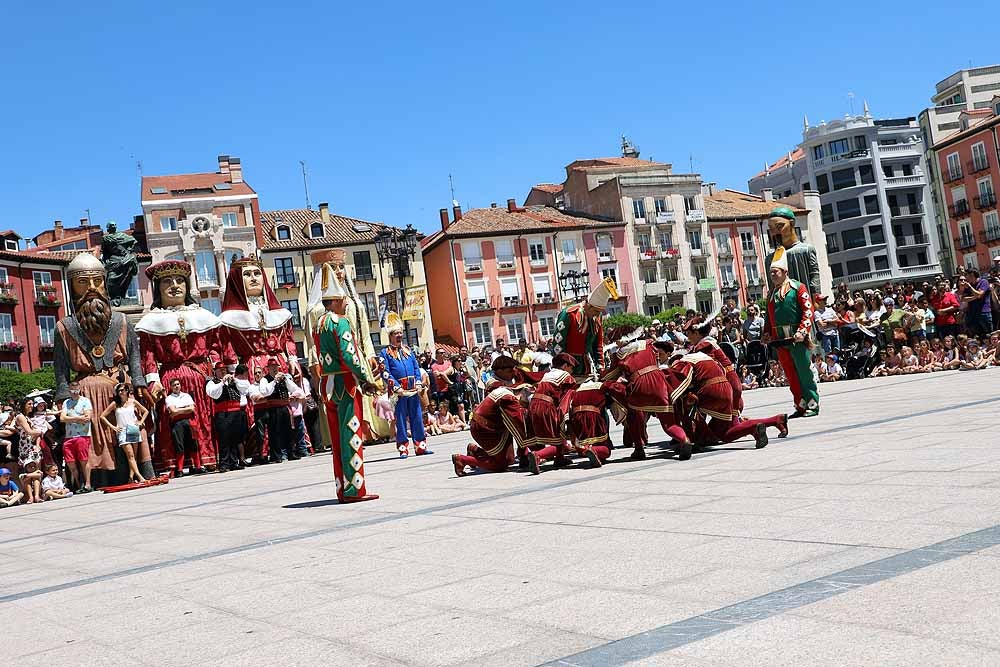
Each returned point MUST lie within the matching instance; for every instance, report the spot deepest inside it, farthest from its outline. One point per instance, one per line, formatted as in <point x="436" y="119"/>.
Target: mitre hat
<point x="605" y="290"/>
<point x="780" y="259"/>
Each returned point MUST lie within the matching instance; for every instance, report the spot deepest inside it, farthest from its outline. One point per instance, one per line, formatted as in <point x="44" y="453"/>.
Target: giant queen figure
<point x="179" y="340"/>
<point x="100" y="347"/>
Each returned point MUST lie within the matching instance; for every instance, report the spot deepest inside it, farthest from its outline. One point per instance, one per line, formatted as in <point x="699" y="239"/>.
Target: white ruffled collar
<point x="250" y="320"/>
<point x="163" y="321"/>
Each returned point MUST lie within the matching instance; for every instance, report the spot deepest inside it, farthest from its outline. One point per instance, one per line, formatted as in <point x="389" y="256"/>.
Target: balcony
<point x="664" y="217"/>
<point x="605" y="256"/>
<point x="479" y="305"/>
<point x="853" y="155"/>
<point x="990" y="235"/>
<point x="985" y="202"/>
<point x="677" y="287"/>
<point x="278" y="281"/>
<point x="46" y="297"/>
<point x="755" y="281"/>
<point x="952" y="175"/>
<point x="748" y="251"/>
<point x="903" y="241"/>
<point x="474" y="265"/>
<point x="544" y="299"/>
<point x="656" y="289"/>
<point x="978" y="166"/>
<point x="915" y="180"/>
<point x="869" y="276"/>
<point x="696" y="252"/>
<point x="724" y="251"/>
<point x="965" y="242"/>
<point x="8" y="295"/>
<point x="899" y="150"/>
<point x="920" y="269"/>
<point x="730" y="285"/>
<point x="670" y="253"/>
<point x="959" y="209"/>
<point x="513" y="302"/>
<point x="705" y="285"/>
<point x="695" y="215"/>
<point x="647" y="254"/>
<point x="904" y="212"/>
<point x="641" y="222"/>
<point x="505" y="263"/>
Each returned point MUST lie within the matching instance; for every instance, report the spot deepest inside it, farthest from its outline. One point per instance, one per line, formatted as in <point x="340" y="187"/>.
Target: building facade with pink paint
<point x="506" y="272"/>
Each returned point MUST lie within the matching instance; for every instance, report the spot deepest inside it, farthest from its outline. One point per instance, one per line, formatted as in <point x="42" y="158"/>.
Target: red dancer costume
<point x="648" y="394"/>
<point x="700" y="334"/>
<point x="178" y="339"/>
<point x="548" y="408"/>
<point x="698" y="375"/>
<point x="498" y="427"/>
<point x="588" y="423"/>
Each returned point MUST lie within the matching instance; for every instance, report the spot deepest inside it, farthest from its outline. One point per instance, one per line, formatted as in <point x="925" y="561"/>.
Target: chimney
<point x="57" y="230"/>
<point x="84" y="222"/>
<point x="457" y="212"/>
<point x="511" y="205"/>
<point x="139" y="224"/>
<point x="445" y="223"/>
<point x="493" y="204"/>
<point x="235" y="170"/>
<point x="324" y="211"/>
<point x="223" y="164"/>
<point x="767" y="194"/>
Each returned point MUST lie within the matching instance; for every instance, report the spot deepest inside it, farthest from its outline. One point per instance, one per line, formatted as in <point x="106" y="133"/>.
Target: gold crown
<point x="251" y="260"/>
<point x="171" y="267"/>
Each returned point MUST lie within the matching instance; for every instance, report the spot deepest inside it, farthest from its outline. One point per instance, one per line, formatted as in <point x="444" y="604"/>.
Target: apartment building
<point x="969" y="169"/>
<point x="505" y="272"/>
<point x="33" y="297"/>
<point x="965" y="90"/>
<point x="290" y="236"/>
<point x="875" y="197"/>
<point x="206" y="219"/>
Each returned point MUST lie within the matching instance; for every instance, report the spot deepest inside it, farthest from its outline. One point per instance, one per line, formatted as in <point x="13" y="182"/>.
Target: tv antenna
<point x="305" y="184"/>
<point x="850" y="97"/>
<point x="451" y="186"/>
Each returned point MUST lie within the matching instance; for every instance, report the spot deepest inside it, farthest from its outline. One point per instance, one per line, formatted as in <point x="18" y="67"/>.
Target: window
<point x="284" y="271"/>
<point x="826" y="212"/>
<point x="569" y="250"/>
<point x="643" y="241"/>
<point x="509" y="291"/>
<point x="726" y="272"/>
<point x="822" y="183"/>
<point x="907" y="170"/>
<point x="231" y="255"/>
<point x="612" y="273"/>
<point x="866" y="173"/>
<point x="43" y="279"/>
<point x="887" y="171"/>
<point x="818" y="152"/>
<point x="168" y="223"/>
<point x="370" y="303"/>
<point x="848" y="208"/>
<point x="47" y="329"/>
<point x="213" y="306"/>
<point x="700" y="271"/>
<point x="992" y="224"/>
<point x="690" y="203"/>
<point x="666" y="240"/>
<point x="722" y="242"/>
<point x="208" y="273"/>
<point x="472" y="255"/>
<point x="876" y="234"/>
<point x="921" y="257"/>
<point x="705" y="305"/>
<point x="10" y="366"/>
<point x="966" y="238"/>
<point x="284" y="232"/>
<point x="954" y="167"/>
<point x="746" y="242"/>
<point x="292" y="306"/>
<point x="881" y="262"/>
<point x="376" y="337"/>
<point x="649" y="274"/>
<point x="75" y="245"/>
<point x="536" y="250"/>
<point x="753" y="274"/>
<point x="316" y="230"/>
<point x="843" y="178"/>
<point x="971" y="260"/>
<point x="840" y="146"/>
<point x="856" y="266"/>
<point x="477" y="295"/>
<point x="483" y="332"/>
<point x="639" y="209"/>
<point x="854" y="238"/>
<point x="3" y="275"/>
<point x="505" y="254"/>
<point x="547" y="326"/>
<point x="805" y="185"/>
<point x="902" y="260"/>
<point x="543" y="291"/>
<point x="837" y="270"/>
<point x="860" y="143"/>
<point x="669" y="272"/>
<point x="230" y="220"/>
<point x="979" y="160"/>
<point x="615" y="307"/>
<point x="694" y="238"/>
<point x="604" y="253"/>
<point x="661" y="205"/>
<point x="832" y="243"/>
<point x="412" y="338"/>
<point x="515" y="329"/>
<point x="363" y="266"/>
<point x="871" y="204"/>
<point x="985" y="190"/>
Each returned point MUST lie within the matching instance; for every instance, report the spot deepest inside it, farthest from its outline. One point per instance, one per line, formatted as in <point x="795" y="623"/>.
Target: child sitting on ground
<point x="908" y="361"/>
<point x="31" y="480"/>
<point x="747" y="378"/>
<point x="430" y="420"/>
<point x="973" y="359"/>
<point x="447" y="422"/>
<point x="10" y="493"/>
<point x="53" y="487"/>
<point x="832" y="370"/>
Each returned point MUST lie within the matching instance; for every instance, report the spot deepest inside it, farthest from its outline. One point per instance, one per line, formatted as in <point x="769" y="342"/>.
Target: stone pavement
<point x="871" y="536"/>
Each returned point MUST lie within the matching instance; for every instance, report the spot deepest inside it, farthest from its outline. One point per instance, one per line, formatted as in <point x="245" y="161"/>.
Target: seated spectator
<point x="447" y="422"/>
<point x="832" y="370"/>
<point x="53" y="487"/>
<point x="881" y="368"/>
<point x="31" y="481"/>
<point x="10" y="492"/>
<point x="925" y="358"/>
<point x="747" y="378"/>
<point x="430" y="420"/>
<point x="990" y="351"/>
<point x="973" y="359"/>
<point x="777" y="374"/>
<point x="817" y="367"/>
<point x="950" y="359"/>
<point x="909" y="363"/>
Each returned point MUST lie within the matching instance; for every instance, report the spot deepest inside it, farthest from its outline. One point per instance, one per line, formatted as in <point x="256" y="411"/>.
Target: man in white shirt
<point x="180" y="409"/>
<point x="828" y="323"/>
<point x="276" y="388"/>
<point x="77" y="411"/>
<point x="230" y="421"/>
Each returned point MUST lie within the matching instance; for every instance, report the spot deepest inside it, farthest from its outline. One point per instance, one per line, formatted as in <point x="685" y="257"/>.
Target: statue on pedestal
<point x="118" y="252"/>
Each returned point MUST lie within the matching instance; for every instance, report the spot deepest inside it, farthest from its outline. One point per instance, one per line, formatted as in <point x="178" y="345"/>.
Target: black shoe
<point x="595" y="461"/>
<point x="222" y="469"/>
<point x="241" y="465"/>
<point x="533" y="464"/>
<point x="178" y="473"/>
<point x="683" y="450"/>
<point x="294" y="457"/>
<point x="760" y="435"/>
<point x="197" y="471"/>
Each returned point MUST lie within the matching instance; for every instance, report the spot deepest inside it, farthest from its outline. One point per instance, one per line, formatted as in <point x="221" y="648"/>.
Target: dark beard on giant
<point x="93" y="312"/>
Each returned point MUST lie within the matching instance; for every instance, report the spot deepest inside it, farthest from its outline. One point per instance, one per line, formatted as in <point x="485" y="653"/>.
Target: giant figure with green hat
<point x="789" y="329"/>
<point x="803" y="265"/>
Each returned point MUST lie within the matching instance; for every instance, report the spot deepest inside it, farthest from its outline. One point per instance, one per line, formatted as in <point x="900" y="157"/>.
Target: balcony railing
<point x="952" y="175"/>
<point x="959" y="208"/>
<point x="46" y="297"/>
<point x="853" y="155"/>
<point x="903" y="211"/>
<point x="505" y="262"/>
<point x="869" y="276"/>
<point x="905" y="181"/>
<point x="480" y="305"/>
<point x="730" y="285"/>
<point x="642" y="222"/>
<point x="695" y="215"/>
<point x="663" y="217"/>
<point x="987" y="201"/>
<point x="647" y="254"/>
<point x="748" y="251"/>
<point x="474" y="265"/>
<point x="904" y="240"/>
<point x="899" y="149"/>
<point x="677" y="286"/>
<point x="544" y="299"/>
<point x="725" y="251"/>
<point x="920" y="268"/>
<point x="605" y="257"/>
<point x="8" y="295"/>
<point x="670" y="253"/>
<point x="965" y="242"/>
<point x="990" y="235"/>
<point x="283" y="281"/>
<point x="513" y="302"/>
<point x="978" y="166"/>
<point x="654" y="289"/>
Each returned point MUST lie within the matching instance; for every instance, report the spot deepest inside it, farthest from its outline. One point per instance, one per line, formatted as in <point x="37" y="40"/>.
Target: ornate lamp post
<point x="577" y="282"/>
<point x="397" y="248"/>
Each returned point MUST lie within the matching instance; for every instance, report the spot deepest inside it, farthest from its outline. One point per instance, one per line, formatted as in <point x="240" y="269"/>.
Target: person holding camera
<point x="230" y="421"/>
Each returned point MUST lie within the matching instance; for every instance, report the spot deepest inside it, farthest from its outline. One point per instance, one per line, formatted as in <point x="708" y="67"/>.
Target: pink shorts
<point x="76" y="449"/>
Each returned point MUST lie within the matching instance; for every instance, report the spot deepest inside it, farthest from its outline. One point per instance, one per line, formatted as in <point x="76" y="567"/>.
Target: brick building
<point x="32" y="299"/>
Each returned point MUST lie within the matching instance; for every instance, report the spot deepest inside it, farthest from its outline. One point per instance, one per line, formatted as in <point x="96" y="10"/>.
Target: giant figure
<point x="803" y="265"/>
<point x="580" y="332"/>
<point x="179" y="339"/>
<point x="100" y="346"/>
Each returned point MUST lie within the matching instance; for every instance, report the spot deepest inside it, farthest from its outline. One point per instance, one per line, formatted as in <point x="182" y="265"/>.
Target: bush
<point x="669" y="313"/>
<point x="630" y="320"/>
<point x="15" y="385"/>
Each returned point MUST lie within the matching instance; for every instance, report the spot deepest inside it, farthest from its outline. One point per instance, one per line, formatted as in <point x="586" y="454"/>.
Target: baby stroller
<point x="856" y="361"/>
<point x="757" y="362"/>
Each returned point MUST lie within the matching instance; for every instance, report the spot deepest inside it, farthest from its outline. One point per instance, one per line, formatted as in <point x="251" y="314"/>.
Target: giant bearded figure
<point x="179" y="339"/>
<point x="255" y="326"/>
<point x="580" y="331"/>
<point x="100" y="346"/>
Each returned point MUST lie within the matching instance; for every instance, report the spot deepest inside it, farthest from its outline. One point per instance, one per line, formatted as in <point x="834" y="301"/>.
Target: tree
<point x="669" y="313"/>
<point x="630" y="320"/>
<point x="15" y="385"/>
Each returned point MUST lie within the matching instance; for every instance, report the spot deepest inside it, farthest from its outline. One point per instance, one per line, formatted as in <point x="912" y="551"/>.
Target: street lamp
<point x="576" y="282"/>
<point x="397" y="247"/>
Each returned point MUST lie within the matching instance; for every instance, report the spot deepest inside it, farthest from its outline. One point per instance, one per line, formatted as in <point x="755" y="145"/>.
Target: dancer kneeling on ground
<point x="588" y="423"/>
<point x="498" y="427"/>
<point x="547" y="411"/>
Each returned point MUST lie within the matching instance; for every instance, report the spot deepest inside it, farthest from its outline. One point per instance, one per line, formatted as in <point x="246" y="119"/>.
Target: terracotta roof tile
<point x="192" y="186"/>
<point x="988" y="119"/>
<point x="339" y="230"/>
<point x="600" y="162"/>
<point x="499" y="221"/>
<point x="551" y="188"/>
<point x="729" y="204"/>
<point x="797" y="155"/>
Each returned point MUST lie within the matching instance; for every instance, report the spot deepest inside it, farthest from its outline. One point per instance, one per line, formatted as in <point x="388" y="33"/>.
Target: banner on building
<point x="416" y="303"/>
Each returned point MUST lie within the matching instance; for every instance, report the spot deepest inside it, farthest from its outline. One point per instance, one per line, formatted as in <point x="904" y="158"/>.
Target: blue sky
<point x="384" y="100"/>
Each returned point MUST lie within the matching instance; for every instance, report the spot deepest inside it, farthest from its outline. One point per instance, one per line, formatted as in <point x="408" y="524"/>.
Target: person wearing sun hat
<point x="803" y="264"/>
<point x="789" y="328"/>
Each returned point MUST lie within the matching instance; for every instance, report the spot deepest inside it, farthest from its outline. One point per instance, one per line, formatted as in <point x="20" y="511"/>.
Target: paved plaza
<point x="871" y="536"/>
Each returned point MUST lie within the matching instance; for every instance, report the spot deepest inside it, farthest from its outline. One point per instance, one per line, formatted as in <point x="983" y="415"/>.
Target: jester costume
<point x="789" y="311"/>
<point x="801" y="260"/>
<point x="340" y="373"/>
<point x="404" y="374"/>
